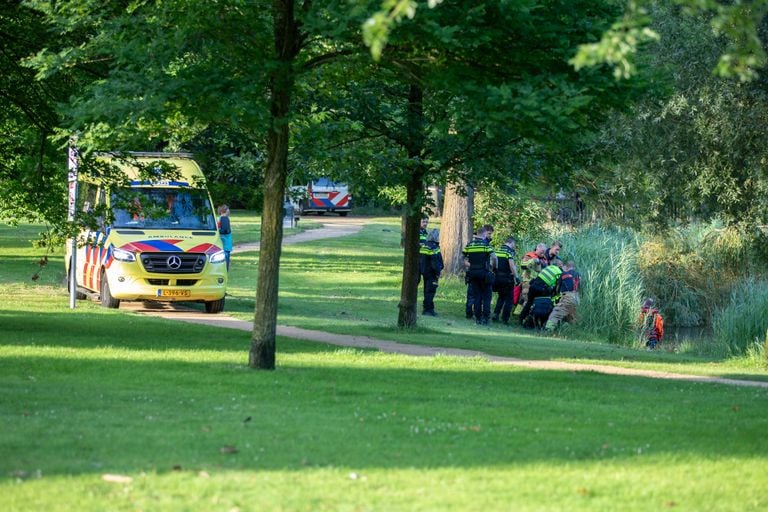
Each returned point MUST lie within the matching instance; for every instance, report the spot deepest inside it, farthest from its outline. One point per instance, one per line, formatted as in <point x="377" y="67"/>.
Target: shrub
<point x="510" y="215"/>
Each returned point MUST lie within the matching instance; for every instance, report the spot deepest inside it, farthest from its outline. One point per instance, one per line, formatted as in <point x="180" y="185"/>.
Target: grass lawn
<point x="105" y="410"/>
<point x="246" y="226"/>
<point x="350" y="285"/>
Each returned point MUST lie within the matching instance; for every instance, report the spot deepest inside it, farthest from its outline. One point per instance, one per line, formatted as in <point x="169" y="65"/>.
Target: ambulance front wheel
<point x="214" y="306"/>
<point x="106" y="296"/>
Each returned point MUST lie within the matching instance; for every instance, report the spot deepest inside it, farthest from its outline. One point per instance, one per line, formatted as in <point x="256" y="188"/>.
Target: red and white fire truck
<point x="321" y="195"/>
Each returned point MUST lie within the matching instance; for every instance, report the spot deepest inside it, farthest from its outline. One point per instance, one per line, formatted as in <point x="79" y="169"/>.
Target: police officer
<point x="470" y="291"/>
<point x="423" y="232"/>
<point x="546" y="284"/>
<point x="479" y="263"/>
<point x="430" y="267"/>
<point x="506" y="277"/>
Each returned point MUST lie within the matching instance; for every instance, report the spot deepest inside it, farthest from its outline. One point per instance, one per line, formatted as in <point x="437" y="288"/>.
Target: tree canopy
<point x="466" y="92"/>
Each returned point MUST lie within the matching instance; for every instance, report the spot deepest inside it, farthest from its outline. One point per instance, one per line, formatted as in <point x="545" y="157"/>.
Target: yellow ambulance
<point x="159" y="240"/>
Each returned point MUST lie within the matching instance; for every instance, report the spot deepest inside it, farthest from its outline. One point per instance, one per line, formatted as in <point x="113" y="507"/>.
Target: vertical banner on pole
<point x="72" y="216"/>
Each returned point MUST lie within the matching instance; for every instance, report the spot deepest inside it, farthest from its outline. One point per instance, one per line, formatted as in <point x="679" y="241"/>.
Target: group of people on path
<point x="544" y="294"/>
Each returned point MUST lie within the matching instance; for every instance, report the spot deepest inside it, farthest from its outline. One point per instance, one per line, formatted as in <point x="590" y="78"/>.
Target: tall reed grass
<point x="690" y="271"/>
<point x="743" y="324"/>
<point x="611" y="283"/>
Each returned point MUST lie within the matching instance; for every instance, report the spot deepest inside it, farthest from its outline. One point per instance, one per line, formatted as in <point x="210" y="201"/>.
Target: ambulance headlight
<point x="123" y="255"/>
<point x="218" y="257"/>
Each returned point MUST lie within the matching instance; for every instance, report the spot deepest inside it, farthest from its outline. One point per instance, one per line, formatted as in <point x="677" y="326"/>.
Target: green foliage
<point x="233" y="165"/>
<point x="743" y="325"/>
<point x="689" y="151"/>
<point x="509" y="214"/>
<point x="376" y="28"/>
<point x="619" y="44"/>
<point x="738" y="22"/>
<point x="692" y="270"/>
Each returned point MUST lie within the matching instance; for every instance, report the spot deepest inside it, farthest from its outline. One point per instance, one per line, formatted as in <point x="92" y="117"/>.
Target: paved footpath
<point x="179" y="312"/>
<point x="332" y="228"/>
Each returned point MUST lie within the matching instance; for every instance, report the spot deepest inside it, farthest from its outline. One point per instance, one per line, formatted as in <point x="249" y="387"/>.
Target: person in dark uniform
<point x="470" y="297"/>
<point x="546" y="284"/>
<point x="506" y="277"/>
<point x="423" y="231"/>
<point x="430" y="267"/>
<point x="479" y="262"/>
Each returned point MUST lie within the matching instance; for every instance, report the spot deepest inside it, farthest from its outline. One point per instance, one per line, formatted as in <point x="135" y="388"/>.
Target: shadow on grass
<point x="82" y="329"/>
<point x="449" y="331"/>
<point x="69" y="416"/>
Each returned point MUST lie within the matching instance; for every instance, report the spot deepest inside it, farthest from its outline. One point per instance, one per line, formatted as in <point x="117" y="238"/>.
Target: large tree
<point x="177" y="68"/>
<point x="695" y="151"/>
<point x="31" y="184"/>
<point x="467" y="92"/>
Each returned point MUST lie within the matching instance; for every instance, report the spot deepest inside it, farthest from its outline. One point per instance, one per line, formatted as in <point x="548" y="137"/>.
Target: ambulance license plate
<point x="174" y="293"/>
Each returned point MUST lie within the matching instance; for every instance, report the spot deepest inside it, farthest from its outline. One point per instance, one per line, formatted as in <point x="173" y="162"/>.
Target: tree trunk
<point x="437" y="206"/>
<point x="456" y="226"/>
<point x="262" y="354"/>
<point x="409" y="292"/>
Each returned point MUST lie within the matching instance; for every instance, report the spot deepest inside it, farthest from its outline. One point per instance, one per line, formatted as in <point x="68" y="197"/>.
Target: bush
<point x="510" y="215"/>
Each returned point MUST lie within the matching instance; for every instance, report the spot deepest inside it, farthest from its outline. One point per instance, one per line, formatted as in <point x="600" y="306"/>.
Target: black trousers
<point x="537" y="289"/>
<point x="430" y="288"/>
<point x="470" y="305"/>
<point x="504" y="301"/>
<point x="481" y="298"/>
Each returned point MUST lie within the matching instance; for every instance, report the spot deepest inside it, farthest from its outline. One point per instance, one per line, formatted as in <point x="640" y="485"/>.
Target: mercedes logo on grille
<point x="173" y="262"/>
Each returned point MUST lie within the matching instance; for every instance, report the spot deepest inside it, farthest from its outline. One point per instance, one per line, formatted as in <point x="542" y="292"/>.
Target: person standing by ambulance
<point x="225" y="230"/>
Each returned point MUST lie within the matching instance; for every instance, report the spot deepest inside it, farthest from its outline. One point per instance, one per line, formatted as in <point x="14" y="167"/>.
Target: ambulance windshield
<point x="162" y="208"/>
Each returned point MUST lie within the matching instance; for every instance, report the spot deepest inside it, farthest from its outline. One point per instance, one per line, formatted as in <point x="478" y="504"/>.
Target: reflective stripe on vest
<point x="504" y="253"/>
<point x="478" y="252"/>
<point x="550" y="274"/>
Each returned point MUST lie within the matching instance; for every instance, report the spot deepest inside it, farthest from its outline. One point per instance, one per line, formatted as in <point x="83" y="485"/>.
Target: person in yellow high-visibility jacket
<point x="565" y="307"/>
